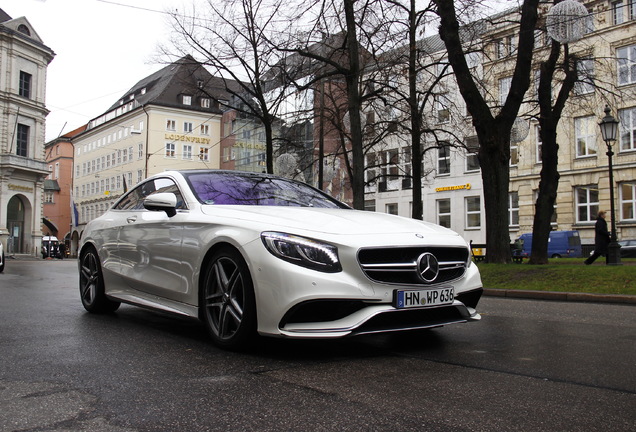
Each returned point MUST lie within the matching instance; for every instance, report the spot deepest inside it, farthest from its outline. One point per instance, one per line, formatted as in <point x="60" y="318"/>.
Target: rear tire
<point x="227" y="300"/>
<point x="91" y="284"/>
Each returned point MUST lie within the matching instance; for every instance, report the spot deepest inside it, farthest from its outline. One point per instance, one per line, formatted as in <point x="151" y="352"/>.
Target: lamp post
<point x="609" y="129"/>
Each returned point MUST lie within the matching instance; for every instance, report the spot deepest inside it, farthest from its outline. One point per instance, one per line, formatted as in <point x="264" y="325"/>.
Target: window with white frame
<point x="538" y="144"/>
<point x="585" y="130"/>
<point x="506" y="46"/>
<point x="626" y="58"/>
<point x="504" y="89"/>
<point x="444" y="212"/>
<point x="205" y="103"/>
<point x="170" y="150"/>
<point x="442" y="105"/>
<point x="205" y="129"/>
<point x="628" y="201"/>
<point x="513" y="209"/>
<point x="443" y="159"/>
<point x="473" y="212"/>
<point x="370" y="172"/>
<point x="472" y="160"/>
<point x="204" y="154"/>
<point x="187" y="100"/>
<point x="618" y="15"/>
<point x="171" y="125"/>
<point x="585" y="77"/>
<point x="140" y="151"/>
<point x="187" y="151"/>
<point x="627" y="128"/>
<point x="140" y="175"/>
<point x="587" y="204"/>
<point x="390" y="161"/>
<point x="48" y="197"/>
<point x="514" y="154"/>
<point x="187" y="127"/>
<point x="623" y="11"/>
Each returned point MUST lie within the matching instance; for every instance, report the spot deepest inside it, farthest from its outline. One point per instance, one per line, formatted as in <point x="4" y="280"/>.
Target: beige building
<point x="607" y="73"/>
<point x="452" y="185"/>
<point x="169" y="120"/>
<point x="23" y="64"/>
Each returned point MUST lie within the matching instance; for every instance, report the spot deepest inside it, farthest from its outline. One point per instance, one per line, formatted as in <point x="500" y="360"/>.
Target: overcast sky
<point x="102" y="47"/>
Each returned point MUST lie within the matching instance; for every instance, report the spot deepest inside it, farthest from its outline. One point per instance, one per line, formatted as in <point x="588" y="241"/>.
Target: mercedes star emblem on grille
<point x="427" y="267"/>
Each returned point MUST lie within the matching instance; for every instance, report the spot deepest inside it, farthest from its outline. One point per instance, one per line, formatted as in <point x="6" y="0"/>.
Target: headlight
<point x="303" y="251"/>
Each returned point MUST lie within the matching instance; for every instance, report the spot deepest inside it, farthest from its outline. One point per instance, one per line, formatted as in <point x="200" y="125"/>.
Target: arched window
<point x="24" y="29"/>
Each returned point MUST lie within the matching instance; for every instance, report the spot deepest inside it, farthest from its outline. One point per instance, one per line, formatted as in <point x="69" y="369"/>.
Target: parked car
<point x="1" y="258"/>
<point x="561" y="244"/>
<point x="255" y="254"/>
<point x="628" y="248"/>
<point x="50" y="247"/>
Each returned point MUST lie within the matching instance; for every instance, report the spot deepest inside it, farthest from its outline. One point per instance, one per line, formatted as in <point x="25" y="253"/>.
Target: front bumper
<point x="383" y="318"/>
<point x="296" y="302"/>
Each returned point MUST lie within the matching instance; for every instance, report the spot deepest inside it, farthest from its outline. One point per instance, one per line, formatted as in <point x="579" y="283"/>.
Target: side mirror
<point x="166" y="201"/>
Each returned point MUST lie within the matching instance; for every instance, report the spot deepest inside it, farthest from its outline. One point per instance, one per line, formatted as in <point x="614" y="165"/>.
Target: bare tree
<point x="339" y="41"/>
<point x="233" y="37"/>
<point x="493" y="129"/>
<point x="549" y="116"/>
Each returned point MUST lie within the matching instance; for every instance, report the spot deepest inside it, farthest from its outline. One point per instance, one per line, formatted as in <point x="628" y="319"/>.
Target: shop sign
<point x="453" y="188"/>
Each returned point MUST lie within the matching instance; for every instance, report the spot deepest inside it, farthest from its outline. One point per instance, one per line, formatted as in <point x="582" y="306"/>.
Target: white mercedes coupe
<point x="252" y="254"/>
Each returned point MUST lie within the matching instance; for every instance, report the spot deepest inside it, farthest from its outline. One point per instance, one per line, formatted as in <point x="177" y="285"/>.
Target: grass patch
<point x="563" y="275"/>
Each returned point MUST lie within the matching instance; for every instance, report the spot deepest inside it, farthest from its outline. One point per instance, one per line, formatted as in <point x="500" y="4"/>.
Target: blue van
<point x="561" y="244"/>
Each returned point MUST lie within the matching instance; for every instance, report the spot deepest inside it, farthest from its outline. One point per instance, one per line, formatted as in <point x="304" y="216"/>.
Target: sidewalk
<point x="561" y="296"/>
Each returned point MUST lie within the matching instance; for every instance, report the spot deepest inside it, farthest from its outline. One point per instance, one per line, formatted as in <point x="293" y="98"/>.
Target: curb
<point x="561" y="296"/>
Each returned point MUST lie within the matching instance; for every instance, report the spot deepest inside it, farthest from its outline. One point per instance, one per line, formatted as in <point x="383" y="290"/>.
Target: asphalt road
<point x="527" y="366"/>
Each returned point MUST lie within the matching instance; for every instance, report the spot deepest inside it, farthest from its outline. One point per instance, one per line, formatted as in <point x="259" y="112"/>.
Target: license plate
<point x="424" y="298"/>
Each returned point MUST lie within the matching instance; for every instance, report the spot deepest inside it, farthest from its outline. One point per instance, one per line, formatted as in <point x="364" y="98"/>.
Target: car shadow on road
<point x="142" y="323"/>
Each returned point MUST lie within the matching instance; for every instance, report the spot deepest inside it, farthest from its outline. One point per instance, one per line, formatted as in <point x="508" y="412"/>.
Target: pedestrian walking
<point x="601" y="238"/>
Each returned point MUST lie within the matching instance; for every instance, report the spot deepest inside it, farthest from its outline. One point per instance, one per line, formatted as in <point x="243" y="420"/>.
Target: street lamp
<point x="609" y="129"/>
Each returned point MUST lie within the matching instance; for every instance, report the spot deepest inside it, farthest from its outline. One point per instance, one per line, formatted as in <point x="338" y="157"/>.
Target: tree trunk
<point x="548" y="121"/>
<point x="353" y="94"/>
<point x="416" y="121"/>
<point x="494" y="156"/>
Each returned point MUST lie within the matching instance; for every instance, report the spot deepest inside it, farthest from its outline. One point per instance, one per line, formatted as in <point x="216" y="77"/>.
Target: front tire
<point x="91" y="284"/>
<point x="227" y="300"/>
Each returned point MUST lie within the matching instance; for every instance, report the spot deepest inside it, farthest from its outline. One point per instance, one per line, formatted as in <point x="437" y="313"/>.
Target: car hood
<point x="327" y="221"/>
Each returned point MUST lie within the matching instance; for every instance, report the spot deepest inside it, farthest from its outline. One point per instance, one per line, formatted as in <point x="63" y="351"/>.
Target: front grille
<point x="398" y="265"/>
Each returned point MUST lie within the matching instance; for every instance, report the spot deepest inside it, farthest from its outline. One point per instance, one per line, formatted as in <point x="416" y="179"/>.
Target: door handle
<point x="131" y="219"/>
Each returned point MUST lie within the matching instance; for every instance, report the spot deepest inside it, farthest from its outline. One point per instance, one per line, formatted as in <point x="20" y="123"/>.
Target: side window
<point x="135" y="199"/>
<point x="130" y="200"/>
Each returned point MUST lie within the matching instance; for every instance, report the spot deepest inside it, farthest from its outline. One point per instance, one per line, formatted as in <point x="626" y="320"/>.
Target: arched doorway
<point x="15" y="224"/>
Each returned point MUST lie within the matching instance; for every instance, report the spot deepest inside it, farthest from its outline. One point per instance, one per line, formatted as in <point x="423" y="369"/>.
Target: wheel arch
<point x="205" y="263"/>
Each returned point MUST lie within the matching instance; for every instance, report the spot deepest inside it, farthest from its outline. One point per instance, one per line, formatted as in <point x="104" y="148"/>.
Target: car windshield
<point x="227" y="188"/>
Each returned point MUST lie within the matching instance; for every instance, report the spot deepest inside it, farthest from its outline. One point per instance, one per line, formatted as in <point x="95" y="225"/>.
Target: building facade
<point x="452" y="185"/>
<point x="23" y="64"/>
<point x="169" y="120"/>
<point x="57" y="211"/>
